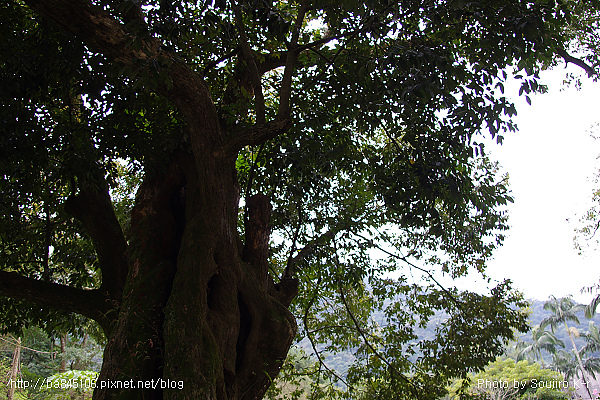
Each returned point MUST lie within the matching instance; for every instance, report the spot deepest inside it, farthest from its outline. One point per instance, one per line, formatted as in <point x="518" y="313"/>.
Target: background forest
<point x="533" y="357"/>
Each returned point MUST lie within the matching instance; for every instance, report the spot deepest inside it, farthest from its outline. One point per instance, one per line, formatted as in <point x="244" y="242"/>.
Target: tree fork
<point x="226" y="336"/>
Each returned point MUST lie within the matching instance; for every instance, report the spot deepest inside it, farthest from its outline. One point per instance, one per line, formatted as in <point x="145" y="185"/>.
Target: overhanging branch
<point x="103" y="33"/>
<point x="90" y="303"/>
<point x="577" y="61"/>
<point x="93" y="208"/>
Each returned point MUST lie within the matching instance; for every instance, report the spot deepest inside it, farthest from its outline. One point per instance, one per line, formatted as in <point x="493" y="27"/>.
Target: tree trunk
<point x="63" y="353"/>
<point x="200" y="316"/>
<point x="14" y="371"/>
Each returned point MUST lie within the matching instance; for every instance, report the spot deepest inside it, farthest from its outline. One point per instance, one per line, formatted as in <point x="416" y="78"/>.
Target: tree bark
<point x="196" y="317"/>
<point x="199" y="317"/>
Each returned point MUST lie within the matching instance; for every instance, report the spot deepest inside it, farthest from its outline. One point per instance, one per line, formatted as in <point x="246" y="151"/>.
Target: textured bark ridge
<point x="135" y="349"/>
<point x="198" y="315"/>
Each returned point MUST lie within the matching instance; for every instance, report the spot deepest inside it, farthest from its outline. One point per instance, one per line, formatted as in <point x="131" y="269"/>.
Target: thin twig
<point x="362" y="333"/>
<point x="312" y="343"/>
<point x="402" y="258"/>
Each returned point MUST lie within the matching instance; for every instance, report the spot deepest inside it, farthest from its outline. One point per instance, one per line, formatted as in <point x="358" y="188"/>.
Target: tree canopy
<point x="202" y="177"/>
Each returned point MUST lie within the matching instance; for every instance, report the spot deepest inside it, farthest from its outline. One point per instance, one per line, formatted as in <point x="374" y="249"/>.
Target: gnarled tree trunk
<point x="197" y="316"/>
<point x="200" y="316"/>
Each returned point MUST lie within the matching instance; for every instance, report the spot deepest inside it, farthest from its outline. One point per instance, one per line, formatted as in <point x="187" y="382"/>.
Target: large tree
<point x="201" y="177"/>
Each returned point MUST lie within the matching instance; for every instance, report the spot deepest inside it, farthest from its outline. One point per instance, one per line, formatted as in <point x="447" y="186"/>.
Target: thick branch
<point x="284" y="110"/>
<point x="269" y="62"/>
<point x="577" y="61"/>
<point x="252" y="69"/>
<point x="105" y="34"/>
<point x="94" y="209"/>
<point x="94" y="26"/>
<point x="256" y="135"/>
<point x="307" y="250"/>
<point x="90" y="303"/>
<point x="219" y="60"/>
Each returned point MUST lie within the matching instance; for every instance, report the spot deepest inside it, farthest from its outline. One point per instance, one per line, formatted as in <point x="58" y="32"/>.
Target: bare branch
<point x="577" y="61"/>
<point x="94" y="209"/>
<point x="219" y="60"/>
<point x="270" y="61"/>
<point x="309" y="249"/>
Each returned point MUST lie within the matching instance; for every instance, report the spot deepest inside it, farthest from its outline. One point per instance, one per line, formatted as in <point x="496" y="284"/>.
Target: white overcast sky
<point x="551" y="162"/>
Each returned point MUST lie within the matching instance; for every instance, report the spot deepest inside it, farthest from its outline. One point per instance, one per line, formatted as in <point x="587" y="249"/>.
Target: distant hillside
<point x="341" y="361"/>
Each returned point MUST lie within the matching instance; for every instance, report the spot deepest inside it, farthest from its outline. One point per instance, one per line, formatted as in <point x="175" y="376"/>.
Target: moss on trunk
<point x="195" y="316"/>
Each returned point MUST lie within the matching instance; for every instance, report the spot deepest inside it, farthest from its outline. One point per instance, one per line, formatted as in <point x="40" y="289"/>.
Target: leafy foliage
<point x="69" y="384"/>
<point x="507" y="379"/>
<point x="563" y="310"/>
<point x="383" y="171"/>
